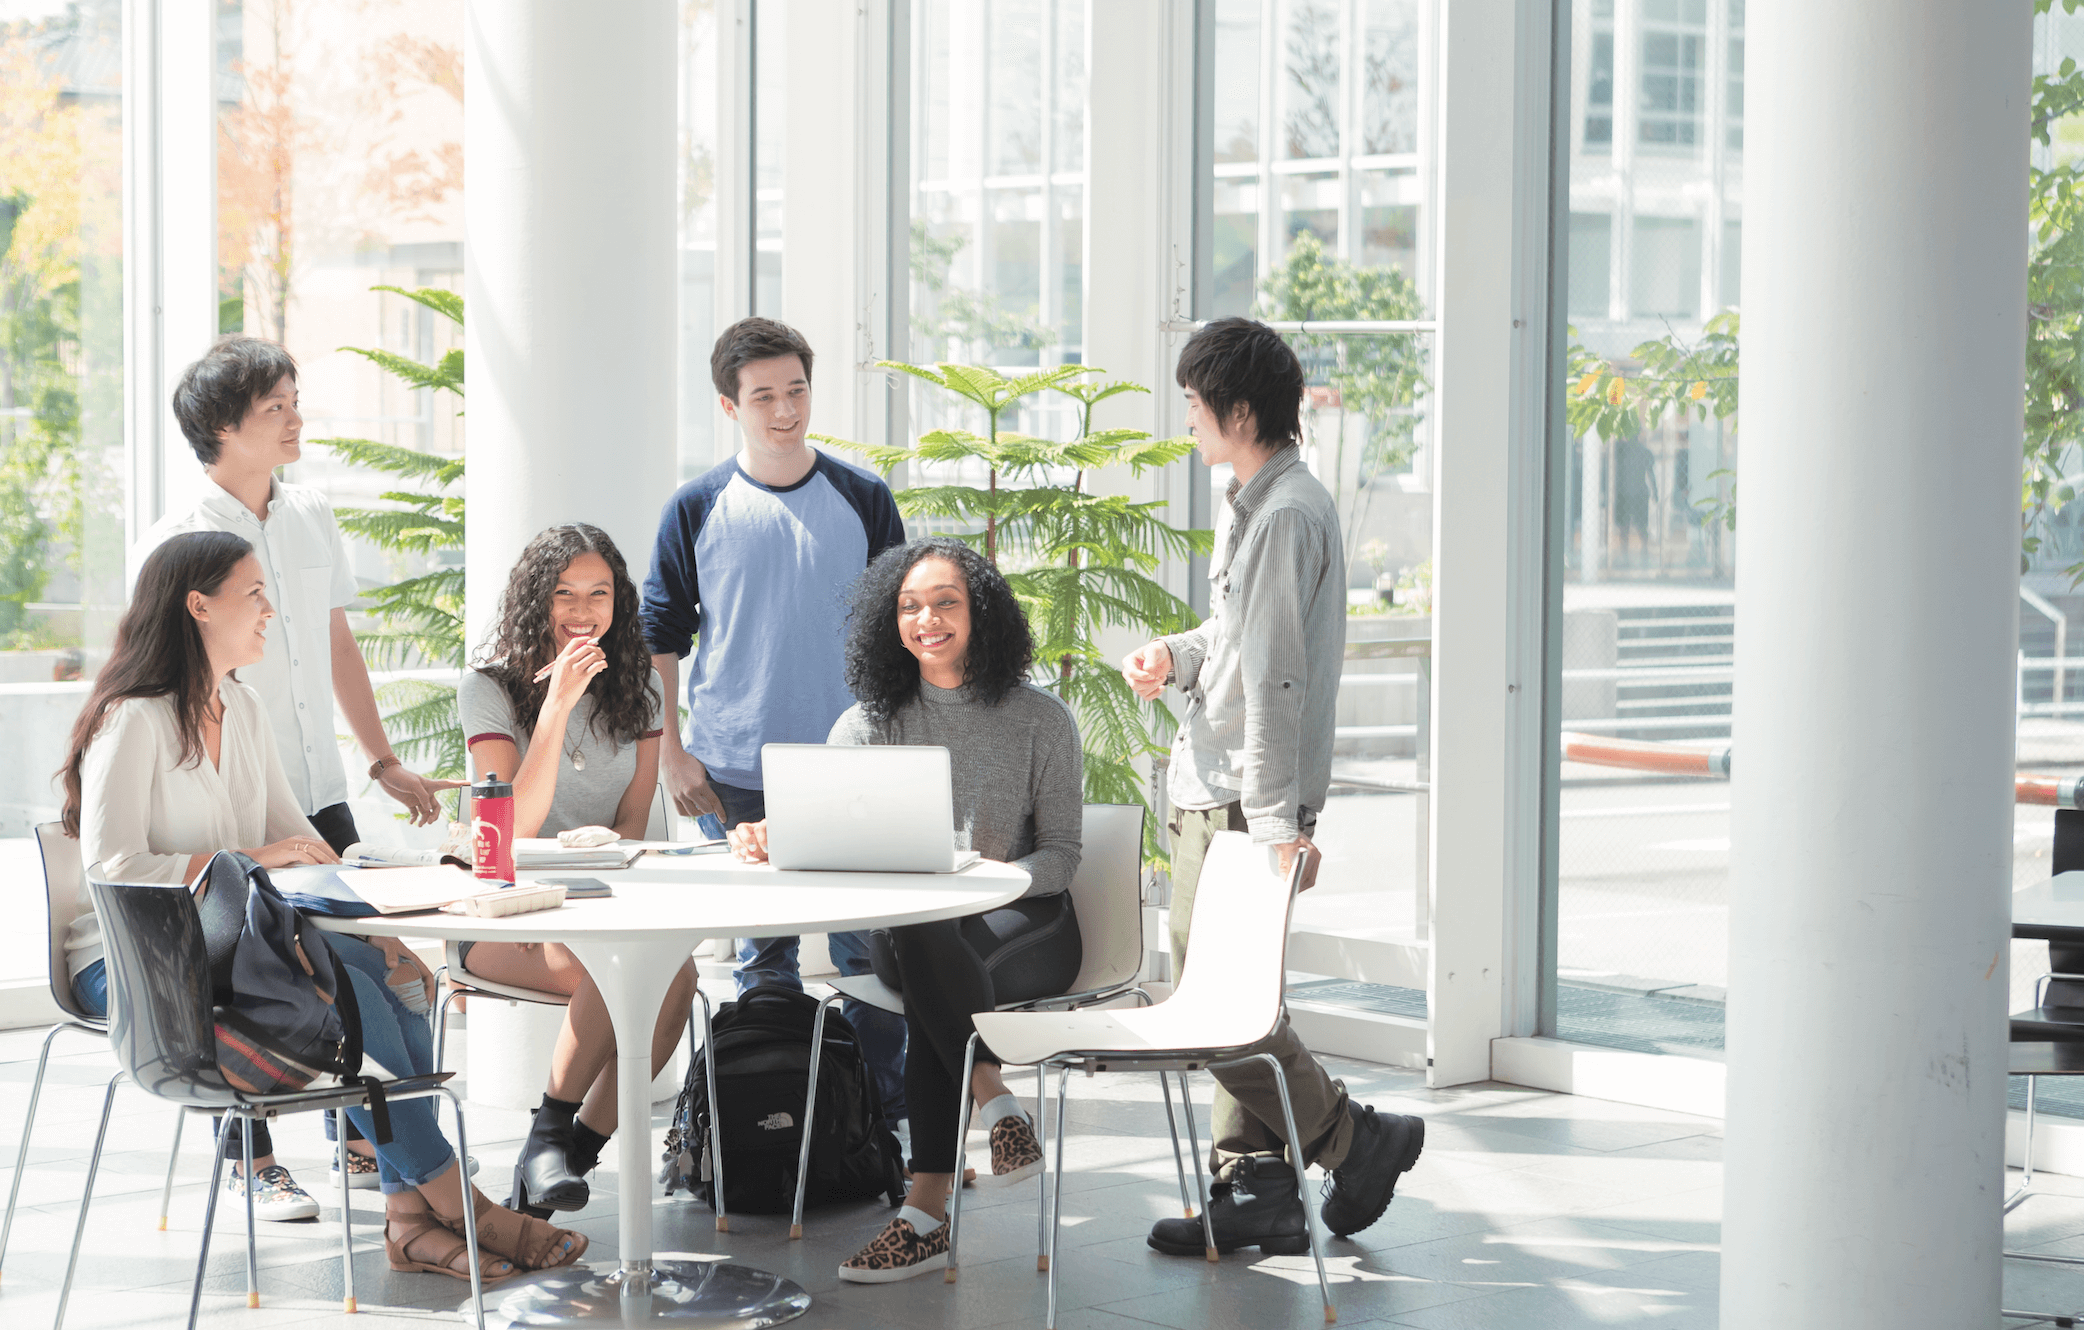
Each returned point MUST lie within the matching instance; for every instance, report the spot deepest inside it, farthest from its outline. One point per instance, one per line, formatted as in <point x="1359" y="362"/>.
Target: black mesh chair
<point x="162" y="1032"/>
<point x="62" y="881"/>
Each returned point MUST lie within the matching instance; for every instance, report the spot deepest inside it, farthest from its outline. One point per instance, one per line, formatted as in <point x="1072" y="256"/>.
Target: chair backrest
<point x="1107" y="894"/>
<point x="1237" y="963"/>
<point x="159" y="990"/>
<point x="62" y="881"/>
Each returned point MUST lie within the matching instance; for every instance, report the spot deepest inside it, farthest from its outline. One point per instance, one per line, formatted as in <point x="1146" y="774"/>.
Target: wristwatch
<point x="376" y="768"/>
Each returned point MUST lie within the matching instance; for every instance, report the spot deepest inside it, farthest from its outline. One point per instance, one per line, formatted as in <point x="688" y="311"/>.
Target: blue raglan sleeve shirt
<point x="762" y="574"/>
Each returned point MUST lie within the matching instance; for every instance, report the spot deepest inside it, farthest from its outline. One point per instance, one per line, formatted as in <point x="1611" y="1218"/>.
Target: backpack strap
<point x="351" y="1049"/>
<point x="221" y="893"/>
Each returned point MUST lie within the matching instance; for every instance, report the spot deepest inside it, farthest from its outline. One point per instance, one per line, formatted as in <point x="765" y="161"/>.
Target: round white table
<point x="632" y="944"/>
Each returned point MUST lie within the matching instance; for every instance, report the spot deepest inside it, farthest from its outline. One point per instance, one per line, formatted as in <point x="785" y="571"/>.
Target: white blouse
<point x="143" y="812"/>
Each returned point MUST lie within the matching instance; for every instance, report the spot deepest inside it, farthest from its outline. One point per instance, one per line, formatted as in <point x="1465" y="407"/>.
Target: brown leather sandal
<point x="416" y="1239"/>
<point x="528" y="1242"/>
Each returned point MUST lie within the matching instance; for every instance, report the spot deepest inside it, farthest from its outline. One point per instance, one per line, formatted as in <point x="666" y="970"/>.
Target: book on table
<point x="357" y="893"/>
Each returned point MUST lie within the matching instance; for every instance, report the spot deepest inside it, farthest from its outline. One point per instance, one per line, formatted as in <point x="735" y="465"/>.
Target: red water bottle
<point x="492" y="828"/>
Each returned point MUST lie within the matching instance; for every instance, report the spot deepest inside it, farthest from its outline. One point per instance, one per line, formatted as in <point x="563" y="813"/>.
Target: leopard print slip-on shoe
<point x="1016" y="1155"/>
<point x="898" y="1252"/>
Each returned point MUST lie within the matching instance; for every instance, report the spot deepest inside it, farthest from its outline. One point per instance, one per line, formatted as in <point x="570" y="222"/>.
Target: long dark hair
<point x="625" y="703"/>
<point x="883" y="676"/>
<point x="159" y="650"/>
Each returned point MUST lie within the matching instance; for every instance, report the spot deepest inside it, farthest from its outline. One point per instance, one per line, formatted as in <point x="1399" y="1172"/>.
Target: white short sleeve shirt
<point x="305" y="562"/>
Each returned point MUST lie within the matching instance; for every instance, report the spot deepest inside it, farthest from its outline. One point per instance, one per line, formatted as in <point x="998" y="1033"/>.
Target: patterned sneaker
<point x="1016" y="1155"/>
<point x="361" y="1172"/>
<point x="276" y="1195"/>
<point x="897" y="1253"/>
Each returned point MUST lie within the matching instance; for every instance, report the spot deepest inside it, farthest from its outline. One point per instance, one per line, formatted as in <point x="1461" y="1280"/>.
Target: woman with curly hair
<point x="938" y="653"/>
<point x="565" y="701"/>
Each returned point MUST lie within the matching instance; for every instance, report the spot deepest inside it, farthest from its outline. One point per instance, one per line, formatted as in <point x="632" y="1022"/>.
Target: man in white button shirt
<point x="237" y="406"/>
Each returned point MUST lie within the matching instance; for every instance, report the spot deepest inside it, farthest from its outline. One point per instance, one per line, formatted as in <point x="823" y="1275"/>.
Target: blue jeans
<point x="90" y="988"/>
<point x="398" y="1044"/>
<point x="773" y="960"/>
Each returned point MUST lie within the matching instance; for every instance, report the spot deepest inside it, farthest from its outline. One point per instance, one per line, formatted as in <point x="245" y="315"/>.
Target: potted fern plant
<point x="419" y="618"/>
<point x="1080" y="562"/>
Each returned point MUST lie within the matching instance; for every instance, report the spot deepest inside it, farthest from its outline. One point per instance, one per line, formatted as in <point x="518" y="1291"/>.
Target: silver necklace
<point x="578" y="758"/>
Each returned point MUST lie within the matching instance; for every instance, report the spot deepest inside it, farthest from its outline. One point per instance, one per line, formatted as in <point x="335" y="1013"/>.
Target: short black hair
<point x="217" y="391"/>
<point x="1235" y="363"/>
<point x="753" y="339"/>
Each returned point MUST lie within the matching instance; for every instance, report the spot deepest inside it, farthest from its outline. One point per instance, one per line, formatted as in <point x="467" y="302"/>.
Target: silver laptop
<point x="884" y="809"/>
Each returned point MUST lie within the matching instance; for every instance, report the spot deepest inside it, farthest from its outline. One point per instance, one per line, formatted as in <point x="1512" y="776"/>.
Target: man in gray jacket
<point x="1253" y="754"/>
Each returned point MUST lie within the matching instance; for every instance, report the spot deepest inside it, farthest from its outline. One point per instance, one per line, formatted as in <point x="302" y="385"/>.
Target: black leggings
<point x="954" y="969"/>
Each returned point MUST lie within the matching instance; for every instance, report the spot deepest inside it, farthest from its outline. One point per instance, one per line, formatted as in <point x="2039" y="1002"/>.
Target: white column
<point x="846" y="279"/>
<point x="169" y="243"/>
<point x="571" y="281"/>
<point x="1139" y="199"/>
<point x="1490" y="411"/>
<point x="1869" y="917"/>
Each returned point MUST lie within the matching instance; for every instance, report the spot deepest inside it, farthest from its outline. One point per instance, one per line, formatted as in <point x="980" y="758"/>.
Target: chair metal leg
<point x="1056" y="1200"/>
<point x="716" y="1134"/>
<point x="202" y="1257"/>
<point x="1302" y="1189"/>
<point x="441" y="1021"/>
<point x="246" y="1185"/>
<point x="173" y="1157"/>
<point x="810" y="1111"/>
<point x="470" y="1209"/>
<point x="1042" y="1177"/>
<point x="79" y="1228"/>
<point x="962" y="1151"/>
<point x="1179" y="1165"/>
<point x="1208" y="1222"/>
<point x="347" y="1235"/>
<point x="21" y="1155"/>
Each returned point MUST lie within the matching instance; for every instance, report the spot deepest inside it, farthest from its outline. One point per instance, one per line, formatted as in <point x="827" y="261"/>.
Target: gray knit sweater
<point x="1018" y="770"/>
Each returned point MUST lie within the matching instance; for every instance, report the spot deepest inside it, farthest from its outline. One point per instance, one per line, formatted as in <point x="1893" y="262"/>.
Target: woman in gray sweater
<point x="938" y="653"/>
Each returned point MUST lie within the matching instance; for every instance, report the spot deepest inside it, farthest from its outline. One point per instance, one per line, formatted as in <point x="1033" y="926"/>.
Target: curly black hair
<point x="883" y="676"/>
<point x="625" y="701"/>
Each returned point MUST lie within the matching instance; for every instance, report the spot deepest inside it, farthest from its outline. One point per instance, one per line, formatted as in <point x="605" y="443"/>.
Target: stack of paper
<point x="358" y="893"/>
<point x="545" y="852"/>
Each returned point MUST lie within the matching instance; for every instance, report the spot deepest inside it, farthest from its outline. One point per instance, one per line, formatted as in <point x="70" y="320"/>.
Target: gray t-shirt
<point x="585" y="796"/>
<point x="1017" y="768"/>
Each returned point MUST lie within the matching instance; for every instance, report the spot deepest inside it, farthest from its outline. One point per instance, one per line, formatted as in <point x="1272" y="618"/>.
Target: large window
<point x="1340" y="83"/>
<point x="340" y="171"/>
<point x="62" y="471"/>
<point x="1320" y="180"/>
<point x="1649" y="607"/>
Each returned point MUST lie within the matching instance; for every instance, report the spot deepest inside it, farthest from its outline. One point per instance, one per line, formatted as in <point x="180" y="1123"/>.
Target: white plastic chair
<point x="1107" y="899"/>
<point x="1227" y="1002"/>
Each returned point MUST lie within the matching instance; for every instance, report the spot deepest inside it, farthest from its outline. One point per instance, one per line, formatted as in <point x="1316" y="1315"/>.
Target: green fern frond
<point x="880" y="457"/>
<point x="396" y="461"/>
<point x="445" y="376"/>
<point x="446" y="303"/>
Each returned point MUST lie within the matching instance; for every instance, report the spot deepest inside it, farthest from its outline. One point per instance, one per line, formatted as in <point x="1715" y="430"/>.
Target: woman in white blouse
<point x="171" y="761"/>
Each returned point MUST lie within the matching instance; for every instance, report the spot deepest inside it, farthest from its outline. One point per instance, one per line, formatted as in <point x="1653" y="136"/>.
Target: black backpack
<point x="762" y="1048"/>
<point x="281" y="1001"/>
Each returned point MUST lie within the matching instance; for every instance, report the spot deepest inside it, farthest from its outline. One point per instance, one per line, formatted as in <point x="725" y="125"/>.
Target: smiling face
<point x="583" y="603"/>
<point x="933" y="620"/>
<point x="234" y="622"/>
<point x="270" y="435"/>
<point x="1220" y="444"/>
<point x="773" y="405"/>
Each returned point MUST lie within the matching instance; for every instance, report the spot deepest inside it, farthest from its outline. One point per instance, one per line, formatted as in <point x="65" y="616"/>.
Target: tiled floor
<point x="1527" y="1210"/>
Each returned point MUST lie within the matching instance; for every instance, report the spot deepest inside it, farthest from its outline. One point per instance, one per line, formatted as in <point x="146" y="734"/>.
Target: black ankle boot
<point x="1257" y="1207"/>
<point x="543" y="1179"/>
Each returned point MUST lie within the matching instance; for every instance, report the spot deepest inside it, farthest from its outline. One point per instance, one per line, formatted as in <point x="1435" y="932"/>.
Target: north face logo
<point x="775" y="1122"/>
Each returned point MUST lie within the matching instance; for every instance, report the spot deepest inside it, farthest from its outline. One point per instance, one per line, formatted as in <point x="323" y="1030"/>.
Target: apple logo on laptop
<point x="857" y="808"/>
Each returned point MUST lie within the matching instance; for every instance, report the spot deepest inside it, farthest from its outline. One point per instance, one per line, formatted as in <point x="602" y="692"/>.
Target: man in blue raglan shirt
<point x="752" y="567"/>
